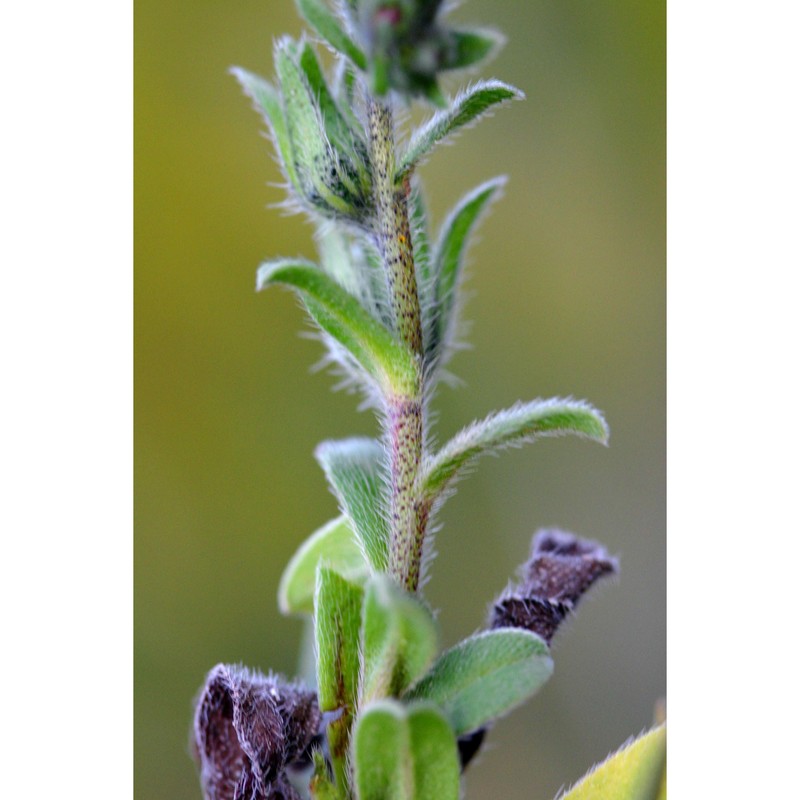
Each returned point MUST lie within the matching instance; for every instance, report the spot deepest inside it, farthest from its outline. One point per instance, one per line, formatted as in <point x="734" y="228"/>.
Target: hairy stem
<point x="408" y="531"/>
<point x="404" y="413"/>
<point x="394" y="231"/>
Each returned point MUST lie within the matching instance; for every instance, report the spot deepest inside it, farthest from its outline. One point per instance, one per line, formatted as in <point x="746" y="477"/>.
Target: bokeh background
<point x="568" y="297"/>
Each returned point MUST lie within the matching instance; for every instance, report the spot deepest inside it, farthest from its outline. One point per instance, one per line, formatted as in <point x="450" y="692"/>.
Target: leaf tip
<point x="264" y="276"/>
<point x="592" y="423"/>
<point x="284" y="606"/>
<point x="510" y="91"/>
<point x="603" y="432"/>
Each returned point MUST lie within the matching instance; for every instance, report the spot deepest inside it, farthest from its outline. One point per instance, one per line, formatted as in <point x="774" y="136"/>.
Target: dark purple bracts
<point x="247" y="729"/>
<point x="561" y="569"/>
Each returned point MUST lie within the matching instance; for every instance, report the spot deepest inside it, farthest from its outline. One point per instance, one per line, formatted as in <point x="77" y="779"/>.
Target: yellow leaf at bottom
<point x="638" y="771"/>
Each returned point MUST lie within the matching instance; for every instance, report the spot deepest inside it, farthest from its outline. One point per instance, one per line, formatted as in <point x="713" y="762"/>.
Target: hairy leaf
<point x="399" y="639"/>
<point x="345" y="86"/>
<point x="423" y="262"/>
<point x="321" y="785"/>
<point x="345" y="139"/>
<point x="469" y="47"/>
<point x="524" y="422"/>
<point x="449" y="261"/>
<point x="337" y="619"/>
<point x="324" y="22"/>
<point x="341" y="316"/>
<point x="334" y="545"/>
<point x="354" y="467"/>
<point x="328" y="180"/>
<point x="636" y="772"/>
<point x="379" y="74"/>
<point x="369" y="262"/>
<point x="336" y="259"/>
<point x="268" y="102"/>
<point x="350" y="258"/>
<point x="468" y="107"/>
<point x="315" y="161"/>
<point x="485" y="677"/>
<point x="420" y="233"/>
<point x="405" y="753"/>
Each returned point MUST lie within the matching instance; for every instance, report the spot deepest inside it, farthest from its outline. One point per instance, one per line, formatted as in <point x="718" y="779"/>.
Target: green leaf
<point x="485" y="677"/>
<point x="355" y="469"/>
<point x="328" y="181"/>
<point x="420" y="238"/>
<point x="345" y="87"/>
<point x="337" y="620"/>
<point x="343" y="318"/>
<point x="346" y="141"/>
<point x="635" y="772"/>
<point x="467" y="108"/>
<point x="351" y="259"/>
<point x="320" y="785"/>
<point x="449" y="260"/>
<point x="370" y="263"/>
<point x="336" y="259"/>
<point x="268" y="102"/>
<point x="522" y="423"/>
<point x="399" y="639"/>
<point x="405" y="753"/>
<point x="324" y="22"/>
<point x="468" y="47"/>
<point x="333" y="545"/>
<point x="314" y="159"/>
<point x="420" y="234"/>
<point x="379" y="75"/>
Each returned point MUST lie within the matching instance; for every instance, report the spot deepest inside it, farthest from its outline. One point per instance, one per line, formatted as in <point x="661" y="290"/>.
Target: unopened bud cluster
<point x="408" y="45"/>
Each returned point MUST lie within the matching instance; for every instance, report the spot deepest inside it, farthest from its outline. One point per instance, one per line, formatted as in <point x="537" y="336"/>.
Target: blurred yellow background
<point x="567" y="285"/>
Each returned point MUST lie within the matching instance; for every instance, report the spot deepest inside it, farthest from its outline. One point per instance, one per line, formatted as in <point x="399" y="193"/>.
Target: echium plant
<point x="391" y="717"/>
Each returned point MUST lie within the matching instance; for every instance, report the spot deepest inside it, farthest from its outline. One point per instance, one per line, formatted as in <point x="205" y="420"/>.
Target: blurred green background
<point x="568" y="297"/>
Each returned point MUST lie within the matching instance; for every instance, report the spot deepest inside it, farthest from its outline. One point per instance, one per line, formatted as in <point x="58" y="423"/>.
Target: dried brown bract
<point x="562" y="567"/>
<point x="247" y="729"/>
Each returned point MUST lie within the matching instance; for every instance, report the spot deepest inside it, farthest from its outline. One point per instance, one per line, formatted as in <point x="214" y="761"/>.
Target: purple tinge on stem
<point x="562" y="567"/>
<point x="247" y="729"/>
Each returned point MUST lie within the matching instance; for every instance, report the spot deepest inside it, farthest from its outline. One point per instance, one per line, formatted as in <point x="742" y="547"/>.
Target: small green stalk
<point x="405" y="413"/>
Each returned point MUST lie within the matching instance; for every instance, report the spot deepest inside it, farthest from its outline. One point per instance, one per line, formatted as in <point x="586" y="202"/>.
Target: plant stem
<point x="394" y="231"/>
<point x="407" y="530"/>
<point x="404" y="413"/>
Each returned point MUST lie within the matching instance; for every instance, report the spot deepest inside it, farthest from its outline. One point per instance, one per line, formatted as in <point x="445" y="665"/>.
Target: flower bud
<point x="408" y="46"/>
<point x="561" y="569"/>
<point x="247" y="729"/>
